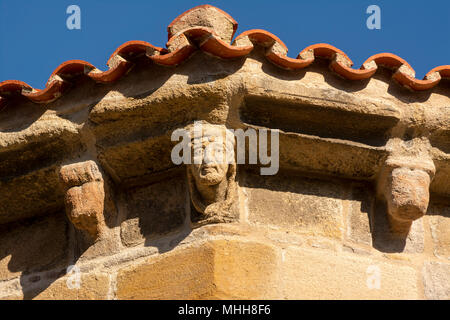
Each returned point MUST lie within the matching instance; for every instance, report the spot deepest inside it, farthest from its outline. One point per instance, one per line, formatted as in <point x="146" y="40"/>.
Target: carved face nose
<point x="208" y="157"/>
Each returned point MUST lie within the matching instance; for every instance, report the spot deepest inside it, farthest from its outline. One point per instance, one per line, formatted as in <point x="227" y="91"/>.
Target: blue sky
<point x="34" y="38"/>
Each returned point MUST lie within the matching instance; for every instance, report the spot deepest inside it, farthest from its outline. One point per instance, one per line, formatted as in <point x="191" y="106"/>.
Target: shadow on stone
<point x="382" y="237"/>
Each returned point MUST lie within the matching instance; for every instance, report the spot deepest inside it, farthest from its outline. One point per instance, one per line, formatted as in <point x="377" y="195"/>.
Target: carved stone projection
<point x="146" y="227"/>
<point x="85" y="196"/>
<point x="211" y="174"/>
<point x="404" y="184"/>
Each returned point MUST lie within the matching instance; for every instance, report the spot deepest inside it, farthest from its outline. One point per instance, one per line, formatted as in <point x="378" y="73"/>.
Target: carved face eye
<point x="198" y="155"/>
<point x="198" y="152"/>
<point x="218" y="152"/>
<point x="214" y="153"/>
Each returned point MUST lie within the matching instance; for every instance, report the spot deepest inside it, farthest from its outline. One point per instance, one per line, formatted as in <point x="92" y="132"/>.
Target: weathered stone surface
<point x="30" y="149"/>
<point x="407" y="196"/>
<point x="79" y="173"/>
<point x="319" y="119"/>
<point x="337" y="157"/>
<point x="181" y="274"/>
<point x="359" y="215"/>
<point x="300" y="204"/>
<point x="317" y="237"/>
<point x="437" y="280"/>
<point x="155" y="210"/>
<point x="205" y="16"/>
<point x="439" y="219"/>
<point x="30" y="195"/>
<point x="320" y="274"/>
<point x="386" y="240"/>
<point x="33" y="245"/>
<point x="91" y="287"/>
<point x="212" y="175"/>
<point x="225" y="269"/>
<point x="85" y="196"/>
<point x="246" y="270"/>
<point x="133" y="136"/>
<point x="107" y="245"/>
<point x="10" y="290"/>
<point x="404" y="181"/>
<point x="85" y="205"/>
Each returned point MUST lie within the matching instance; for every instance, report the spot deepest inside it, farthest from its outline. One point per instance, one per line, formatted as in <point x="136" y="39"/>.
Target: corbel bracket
<point x="404" y="183"/>
<point x="84" y="196"/>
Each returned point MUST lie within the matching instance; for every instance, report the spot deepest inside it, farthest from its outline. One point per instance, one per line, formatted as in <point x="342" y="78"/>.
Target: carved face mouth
<point x="206" y="169"/>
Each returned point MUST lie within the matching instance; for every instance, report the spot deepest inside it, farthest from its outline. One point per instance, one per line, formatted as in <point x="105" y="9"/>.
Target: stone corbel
<point x="84" y="196"/>
<point x="404" y="184"/>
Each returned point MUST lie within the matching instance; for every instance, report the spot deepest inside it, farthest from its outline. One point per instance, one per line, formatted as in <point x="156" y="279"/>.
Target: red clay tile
<point x="112" y="74"/>
<point x="198" y="32"/>
<point x="444" y="71"/>
<point x="72" y="67"/>
<point x="389" y="60"/>
<point x="134" y="48"/>
<point x="174" y="58"/>
<point x="325" y="50"/>
<point x="219" y="48"/>
<point x="352" y="74"/>
<point x="261" y="37"/>
<point x="288" y="63"/>
<point x="49" y="94"/>
<point x="13" y="86"/>
<point x="207" y="39"/>
<point x="413" y="83"/>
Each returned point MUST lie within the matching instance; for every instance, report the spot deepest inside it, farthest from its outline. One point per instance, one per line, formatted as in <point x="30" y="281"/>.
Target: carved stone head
<point x="212" y="173"/>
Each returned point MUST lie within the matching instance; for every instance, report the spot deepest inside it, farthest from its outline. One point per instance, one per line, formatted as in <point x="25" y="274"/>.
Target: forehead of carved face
<point x="209" y="165"/>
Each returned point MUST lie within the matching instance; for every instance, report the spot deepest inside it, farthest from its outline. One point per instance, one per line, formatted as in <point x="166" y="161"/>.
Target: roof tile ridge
<point x="186" y="41"/>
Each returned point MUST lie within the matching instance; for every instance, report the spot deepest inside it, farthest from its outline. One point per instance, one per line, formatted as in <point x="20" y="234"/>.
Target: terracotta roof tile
<point x="444" y="71"/>
<point x="52" y="91"/>
<point x="196" y="30"/>
<point x="13" y="86"/>
<point x="261" y="37"/>
<point x="116" y="71"/>
<point x="388" y="60"/>
<point x="135" y="48"/>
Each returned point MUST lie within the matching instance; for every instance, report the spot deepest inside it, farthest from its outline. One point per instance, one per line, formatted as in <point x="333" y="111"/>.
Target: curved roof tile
<point x="200" y="35"/>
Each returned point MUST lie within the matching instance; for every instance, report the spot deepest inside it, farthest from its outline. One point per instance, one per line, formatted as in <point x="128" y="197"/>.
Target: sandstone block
<point x="359" y="215"/>
<point x="33" y="245"/>
<point x="181" y="274"/>
<point x="386" y="240"/>
<point x="300" y="204"/>
<point x="245" y="270"/>
<point x="437" y="280"/>
<point x="321" y="274"/>
<point x="221" y="269"/>
<point x="91" y="287"/>
<point x="439" y="218"/>
<point x="154" y="210"/>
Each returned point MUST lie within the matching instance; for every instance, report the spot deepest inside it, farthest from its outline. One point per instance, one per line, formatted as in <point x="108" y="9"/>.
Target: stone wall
<point x="297" y="238"/>
<point x="92" y="207"/>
